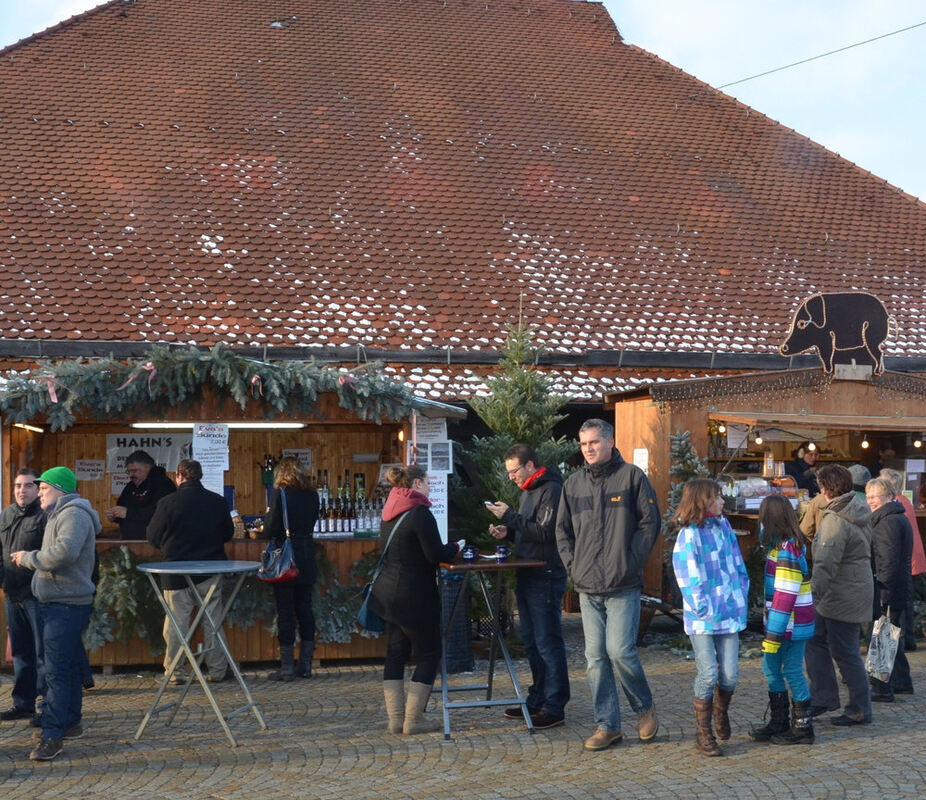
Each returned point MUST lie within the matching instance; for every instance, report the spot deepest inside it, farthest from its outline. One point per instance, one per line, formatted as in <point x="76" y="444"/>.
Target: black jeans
<point x="837" y="641"/>
<point x="294" y="604"/>
<point x="402" y="642"/>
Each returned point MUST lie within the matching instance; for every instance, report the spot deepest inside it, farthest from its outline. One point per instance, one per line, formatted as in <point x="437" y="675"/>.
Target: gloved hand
<point x="461" y="543"/>
<point x="768" y="646"/>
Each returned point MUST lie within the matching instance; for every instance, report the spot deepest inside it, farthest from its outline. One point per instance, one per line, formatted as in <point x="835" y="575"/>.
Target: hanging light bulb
<point x="721" y="428"/>
<point x="918" y="441"/>
<point x="758" y="438"/>
<point x="865" y="443"/>
<point x="811" y="447"/>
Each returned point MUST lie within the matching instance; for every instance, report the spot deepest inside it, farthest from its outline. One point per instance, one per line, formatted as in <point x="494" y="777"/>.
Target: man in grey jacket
<point x="63" y="586"/>
<point x="607" y="525"/>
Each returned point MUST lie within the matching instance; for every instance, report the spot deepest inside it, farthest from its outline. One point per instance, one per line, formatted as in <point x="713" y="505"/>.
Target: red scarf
<point x="527" y="484"/>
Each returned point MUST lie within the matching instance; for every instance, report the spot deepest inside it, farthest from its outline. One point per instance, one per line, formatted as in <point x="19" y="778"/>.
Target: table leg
<point x="443" y="662"/>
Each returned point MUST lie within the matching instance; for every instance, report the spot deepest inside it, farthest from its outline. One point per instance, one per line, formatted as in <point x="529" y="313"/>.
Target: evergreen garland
<point x="170" y="379"/>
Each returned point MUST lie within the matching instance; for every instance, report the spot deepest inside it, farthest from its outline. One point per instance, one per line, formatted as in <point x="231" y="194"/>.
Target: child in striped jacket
<point x="789" y="620"/>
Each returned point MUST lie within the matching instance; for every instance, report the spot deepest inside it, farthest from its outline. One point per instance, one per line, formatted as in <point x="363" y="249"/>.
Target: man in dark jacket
<point x="606" y="527"/>
<point x="192" y="524"/>
<point x="540" y="590"/>
<point x="22" y="525"/>
<point x="891" y="558"/>
<point x="147" y="484"/>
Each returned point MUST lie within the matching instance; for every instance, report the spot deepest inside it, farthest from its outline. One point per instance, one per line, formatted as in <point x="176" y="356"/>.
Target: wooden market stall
<point x="842" y="411"/>
<point x="342" y="432"/>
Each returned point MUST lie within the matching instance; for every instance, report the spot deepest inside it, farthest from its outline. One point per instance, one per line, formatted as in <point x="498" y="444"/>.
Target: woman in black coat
<point x="405" y="595"/>
<point x="294" y="599"/>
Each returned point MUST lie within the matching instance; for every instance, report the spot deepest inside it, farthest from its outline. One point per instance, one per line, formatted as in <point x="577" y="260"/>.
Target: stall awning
<point x="855" y="422"/>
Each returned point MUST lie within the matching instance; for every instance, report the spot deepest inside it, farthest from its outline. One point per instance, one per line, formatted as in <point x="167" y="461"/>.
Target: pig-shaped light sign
<point x="843" y="327"/>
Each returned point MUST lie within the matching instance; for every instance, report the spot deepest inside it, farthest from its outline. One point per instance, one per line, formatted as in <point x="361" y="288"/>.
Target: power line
<point x="822" y="55"/>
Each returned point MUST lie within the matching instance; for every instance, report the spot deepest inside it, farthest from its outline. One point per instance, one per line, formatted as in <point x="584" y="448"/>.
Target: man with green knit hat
<point x="63" y="586"/>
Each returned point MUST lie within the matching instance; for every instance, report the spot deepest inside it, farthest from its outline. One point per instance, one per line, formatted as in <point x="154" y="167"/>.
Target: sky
<point x="868" y="103"/>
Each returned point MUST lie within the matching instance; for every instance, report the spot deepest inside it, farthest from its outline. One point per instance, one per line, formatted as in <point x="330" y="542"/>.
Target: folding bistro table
<point x="190" y="570"/>
<point x="481" y="566"/>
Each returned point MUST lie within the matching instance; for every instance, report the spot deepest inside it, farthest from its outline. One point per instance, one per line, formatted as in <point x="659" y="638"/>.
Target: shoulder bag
<point x="368" y="619"/>
<point x="277" y="564"/>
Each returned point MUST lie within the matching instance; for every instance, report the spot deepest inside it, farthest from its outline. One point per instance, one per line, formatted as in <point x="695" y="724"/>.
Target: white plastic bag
<point x="882" y="650"/>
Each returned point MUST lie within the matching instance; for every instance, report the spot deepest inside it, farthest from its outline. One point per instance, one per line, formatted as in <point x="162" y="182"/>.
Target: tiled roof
<point x="413" y="174"/>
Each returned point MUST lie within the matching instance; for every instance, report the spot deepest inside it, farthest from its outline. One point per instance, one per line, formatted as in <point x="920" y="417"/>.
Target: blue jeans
<point x="834" y="640"/>
<point x="610" y="623"/>
<point x="717" y="659"/>
<point x="25" y="629"/>
<point x="787" y="665"/>
<point x="62" y="625"/>
<point x="540" y="603"/>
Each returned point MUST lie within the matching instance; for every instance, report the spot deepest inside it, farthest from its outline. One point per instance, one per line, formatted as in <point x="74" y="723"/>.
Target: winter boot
<point x="705" y="742"/>
<point x="778" y="722"/>
<point x="801" y="730"/>
<point x="304" y="668"/>
<point x="418" y="694"/>
<point x="721" y="718"/>
<point x="394" y="692"/>
<point x="287" y="669"/>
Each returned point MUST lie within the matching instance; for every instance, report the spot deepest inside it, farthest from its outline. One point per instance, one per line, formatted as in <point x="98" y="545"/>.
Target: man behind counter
<point x="147" y="484"/>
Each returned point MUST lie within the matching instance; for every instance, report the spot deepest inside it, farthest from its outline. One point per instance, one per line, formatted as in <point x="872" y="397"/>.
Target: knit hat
<point x="61" y="478"/>
<point x="860" y="476"/>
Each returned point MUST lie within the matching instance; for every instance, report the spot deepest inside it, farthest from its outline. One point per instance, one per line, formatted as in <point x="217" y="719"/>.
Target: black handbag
<point x="277" y="564"/>
<point x="368" y="619"/>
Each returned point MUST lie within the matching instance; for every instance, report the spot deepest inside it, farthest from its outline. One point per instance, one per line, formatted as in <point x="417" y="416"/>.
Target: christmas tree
<point x="684" y="465"/>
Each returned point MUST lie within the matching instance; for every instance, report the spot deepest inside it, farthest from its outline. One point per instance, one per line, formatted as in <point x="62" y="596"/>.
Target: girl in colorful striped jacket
<point x="715" y="589"/>
<point x="788" y="624"/>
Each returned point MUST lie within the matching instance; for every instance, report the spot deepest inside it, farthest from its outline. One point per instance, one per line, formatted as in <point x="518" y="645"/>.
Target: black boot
<point x="801" y="731"/>
<point x="287" y="668"/>
<point x="778" y="722"/>
<point x="304" y="668"/>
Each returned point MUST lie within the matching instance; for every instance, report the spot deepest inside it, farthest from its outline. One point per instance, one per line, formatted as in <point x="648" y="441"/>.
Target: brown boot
<point x="394" y="692"/>
<point x="705" y="742"/>
<point x="415" y="703"/>
<point x="721" y="718"/>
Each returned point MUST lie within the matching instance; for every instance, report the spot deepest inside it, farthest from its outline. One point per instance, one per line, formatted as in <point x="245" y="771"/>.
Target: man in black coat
<point x="891" y="557"/>
<point x="540" y="590"/>
<point x="22" y="526"/>
<point x="148" y="483"/>
<point x="192" y="524"/>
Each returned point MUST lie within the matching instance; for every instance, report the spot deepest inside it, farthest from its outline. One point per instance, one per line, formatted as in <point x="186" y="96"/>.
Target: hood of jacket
<point x="401" y="500"/>
<point x="851" y="508"/>
<point x="890" y="507"/>
<point x="598" y="471"/>
<point x="74" y="500"/>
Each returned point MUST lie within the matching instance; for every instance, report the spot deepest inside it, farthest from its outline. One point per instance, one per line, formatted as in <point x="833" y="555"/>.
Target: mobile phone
<point x="489" y="502"/>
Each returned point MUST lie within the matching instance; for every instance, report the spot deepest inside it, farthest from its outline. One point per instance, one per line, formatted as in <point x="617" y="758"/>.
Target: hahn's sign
<point x="843" y="327"/>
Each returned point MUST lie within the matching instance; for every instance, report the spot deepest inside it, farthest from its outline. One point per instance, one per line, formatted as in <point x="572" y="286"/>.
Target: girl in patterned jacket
<point x="788" y="624"/>
<point x="715" y="589"/>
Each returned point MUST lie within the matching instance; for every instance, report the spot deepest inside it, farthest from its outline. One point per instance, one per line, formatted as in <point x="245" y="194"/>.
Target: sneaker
<point x="225" y="676"/>
<point x="517" y="712"/>
<point x="177" y="679"/>
<point x="647" y="724"/>
<point x="882" y="697"/>
<point x="46" y="750"/>
<point x="89" y="684"/>
<point x="15" y="713"/>
<point x="74" y="732"/>
<point x="542" y="720"/>
<point x="844" y="720"/>
<point x="816" y="711"/>
<point x="602" y="740"/>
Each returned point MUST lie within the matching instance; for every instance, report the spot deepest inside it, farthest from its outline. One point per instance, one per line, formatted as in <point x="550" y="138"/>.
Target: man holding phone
<point x="540" y="590"/>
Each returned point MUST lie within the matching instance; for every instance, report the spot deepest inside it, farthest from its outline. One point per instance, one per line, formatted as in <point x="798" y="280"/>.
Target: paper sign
<point x="304" y="457"/>
<point x="438" y="498"/>
<point x="429" y="429"/>
<point x="210" y="446"/>
<point x="167" y="450"/>
<point x="641" y="459"/>
<point x="87" y="469"/>
<point x="441" y="457"/>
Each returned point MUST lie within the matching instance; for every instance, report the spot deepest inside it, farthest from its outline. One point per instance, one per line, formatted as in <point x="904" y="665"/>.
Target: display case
<point x="746" y="493"/>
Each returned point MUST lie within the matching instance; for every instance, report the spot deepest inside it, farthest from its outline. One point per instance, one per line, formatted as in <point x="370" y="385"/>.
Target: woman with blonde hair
<point x="405" y="595"/>
<point x="715" y="591"/>
<point x="293" y="487"/>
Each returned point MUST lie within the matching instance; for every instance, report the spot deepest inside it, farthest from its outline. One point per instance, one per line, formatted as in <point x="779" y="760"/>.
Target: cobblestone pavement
<point x="327" y="740"/>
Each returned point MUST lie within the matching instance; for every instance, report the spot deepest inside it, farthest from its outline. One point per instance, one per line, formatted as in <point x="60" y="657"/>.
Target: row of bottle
<point x="347" y="489"/>
<point x="346" y="516"/>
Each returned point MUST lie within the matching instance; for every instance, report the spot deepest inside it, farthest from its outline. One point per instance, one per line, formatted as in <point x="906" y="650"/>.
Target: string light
<point x="865" y="443"/>
<point x="918" y="441"/>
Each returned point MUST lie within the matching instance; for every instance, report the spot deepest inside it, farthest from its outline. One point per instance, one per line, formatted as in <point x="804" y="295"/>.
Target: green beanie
<point x="61" y="478"/>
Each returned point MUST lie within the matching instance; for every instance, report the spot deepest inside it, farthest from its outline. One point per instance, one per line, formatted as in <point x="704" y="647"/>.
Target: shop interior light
<point x="759" y="438"/>
<point x="811" y="446"/>
<point x="26" y="427"/>
<point x="401" y="436"/>
<point x="721" y="428"/>
<point x="865" y="443"/>
<point x="918" y="441"/>
<point x="188" y="426"/>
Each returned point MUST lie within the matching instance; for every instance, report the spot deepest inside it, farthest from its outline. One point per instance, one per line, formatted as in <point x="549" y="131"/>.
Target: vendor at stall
<point x="803" y="469"/>
<point x="147" y="484"/>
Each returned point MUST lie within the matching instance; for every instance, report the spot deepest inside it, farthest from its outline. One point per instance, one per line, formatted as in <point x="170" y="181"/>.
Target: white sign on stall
<point x="641" y="459"/>
<point x="87" y="469"/>
<point x="303" y="456"/>
<point x="429" y="429"/>
<point x="438" y="497"/>
<point x="210" y="449"/>
<point x="167" y="450"/>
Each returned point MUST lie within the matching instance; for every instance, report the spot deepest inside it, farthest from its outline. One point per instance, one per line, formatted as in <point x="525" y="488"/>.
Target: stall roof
<point x="830" y="421"/>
